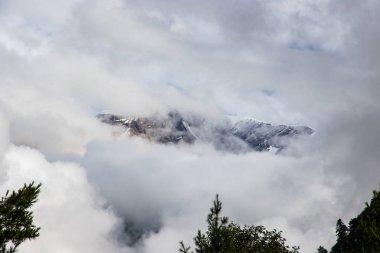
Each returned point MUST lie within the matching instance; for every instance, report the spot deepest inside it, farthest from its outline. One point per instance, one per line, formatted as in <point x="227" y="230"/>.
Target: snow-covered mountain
<point x="242" y="136"/>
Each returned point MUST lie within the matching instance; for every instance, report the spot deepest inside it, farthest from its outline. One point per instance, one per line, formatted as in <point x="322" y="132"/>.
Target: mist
<point x="312" y="63"/>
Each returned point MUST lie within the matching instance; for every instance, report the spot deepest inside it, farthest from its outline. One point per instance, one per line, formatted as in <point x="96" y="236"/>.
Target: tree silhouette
<point x="225" y="237"/>
<point x="363" y="233"/>
<point x="322" y="250"/>
<point x="16" y="220"/>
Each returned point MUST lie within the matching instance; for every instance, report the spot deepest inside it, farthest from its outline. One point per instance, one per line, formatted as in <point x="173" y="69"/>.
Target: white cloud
<point x="61" y="63"/>
<point x="72" y="217"/>
<point x="173" y="182"/>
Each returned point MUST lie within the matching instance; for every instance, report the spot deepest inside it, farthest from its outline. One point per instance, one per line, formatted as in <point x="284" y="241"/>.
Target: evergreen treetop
<point x="16" y="220"/>
<point x="227" y="237"/>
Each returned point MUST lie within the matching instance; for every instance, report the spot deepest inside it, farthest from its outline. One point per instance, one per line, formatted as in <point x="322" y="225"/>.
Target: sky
<point x="294" y="62"/>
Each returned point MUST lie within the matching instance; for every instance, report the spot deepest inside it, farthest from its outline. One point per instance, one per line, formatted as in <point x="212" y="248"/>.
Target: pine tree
<point x="322" y="250"/>
<point x="16" y="220"/>
<point x="363" y="233"/>
<point x="225" y="237"/>
<point x="341" y="233"/>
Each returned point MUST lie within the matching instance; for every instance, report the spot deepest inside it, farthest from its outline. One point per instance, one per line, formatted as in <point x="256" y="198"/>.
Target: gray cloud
<point x="288" y="62"/>
<point x="73" y="218"/>
<point x="164" y="182"/>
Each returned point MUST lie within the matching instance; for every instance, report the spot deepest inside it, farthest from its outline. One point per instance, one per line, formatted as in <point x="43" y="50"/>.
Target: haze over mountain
<point x="289" y="63"/>
<point x="242" y="136"/>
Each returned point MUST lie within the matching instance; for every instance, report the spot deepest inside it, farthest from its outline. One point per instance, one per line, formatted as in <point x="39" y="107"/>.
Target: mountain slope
<point x="242" y="136"/>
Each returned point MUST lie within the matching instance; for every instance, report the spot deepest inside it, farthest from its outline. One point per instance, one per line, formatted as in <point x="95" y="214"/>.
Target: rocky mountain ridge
<point x="242" y="136"/>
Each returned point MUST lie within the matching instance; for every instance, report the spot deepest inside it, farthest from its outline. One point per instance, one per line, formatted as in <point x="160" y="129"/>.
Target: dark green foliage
<point x="363" y="233"/>
<point x="225" y="237"/>
<point x="341" y="234"/>
<point x="322" y="250"/>
<point x="16" y="220"/>
<point x="183" y="248"/>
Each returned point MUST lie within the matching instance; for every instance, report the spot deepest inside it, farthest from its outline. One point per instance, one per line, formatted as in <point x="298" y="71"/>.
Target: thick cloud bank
<point x="72" y="216"/>
<point x="288" y="62"/>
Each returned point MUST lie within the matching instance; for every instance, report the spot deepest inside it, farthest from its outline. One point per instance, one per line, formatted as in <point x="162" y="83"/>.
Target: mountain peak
<point x="242" y="136"/>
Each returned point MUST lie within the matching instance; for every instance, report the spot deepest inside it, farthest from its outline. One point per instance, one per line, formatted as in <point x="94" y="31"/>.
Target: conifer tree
<point x="223" y="236"/>
<point x="341" y="234"/>
<point x="16" y="220"/>
<point x="363" y="233"/>
<point x="322" y="250"/>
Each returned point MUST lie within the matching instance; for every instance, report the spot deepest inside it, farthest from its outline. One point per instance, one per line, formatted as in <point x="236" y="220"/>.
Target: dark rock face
<point x="261" y="136"/>
<point x="242" y="136"/>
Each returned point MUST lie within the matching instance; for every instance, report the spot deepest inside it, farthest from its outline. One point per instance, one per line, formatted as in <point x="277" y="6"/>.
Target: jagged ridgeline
<point x="241" y="136"/>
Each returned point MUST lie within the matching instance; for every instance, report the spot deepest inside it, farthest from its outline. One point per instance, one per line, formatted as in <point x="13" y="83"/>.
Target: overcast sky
<point x="296" y="62"/>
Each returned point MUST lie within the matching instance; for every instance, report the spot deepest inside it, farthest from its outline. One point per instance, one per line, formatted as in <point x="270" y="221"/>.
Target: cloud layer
<point x="291" y="62"/>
